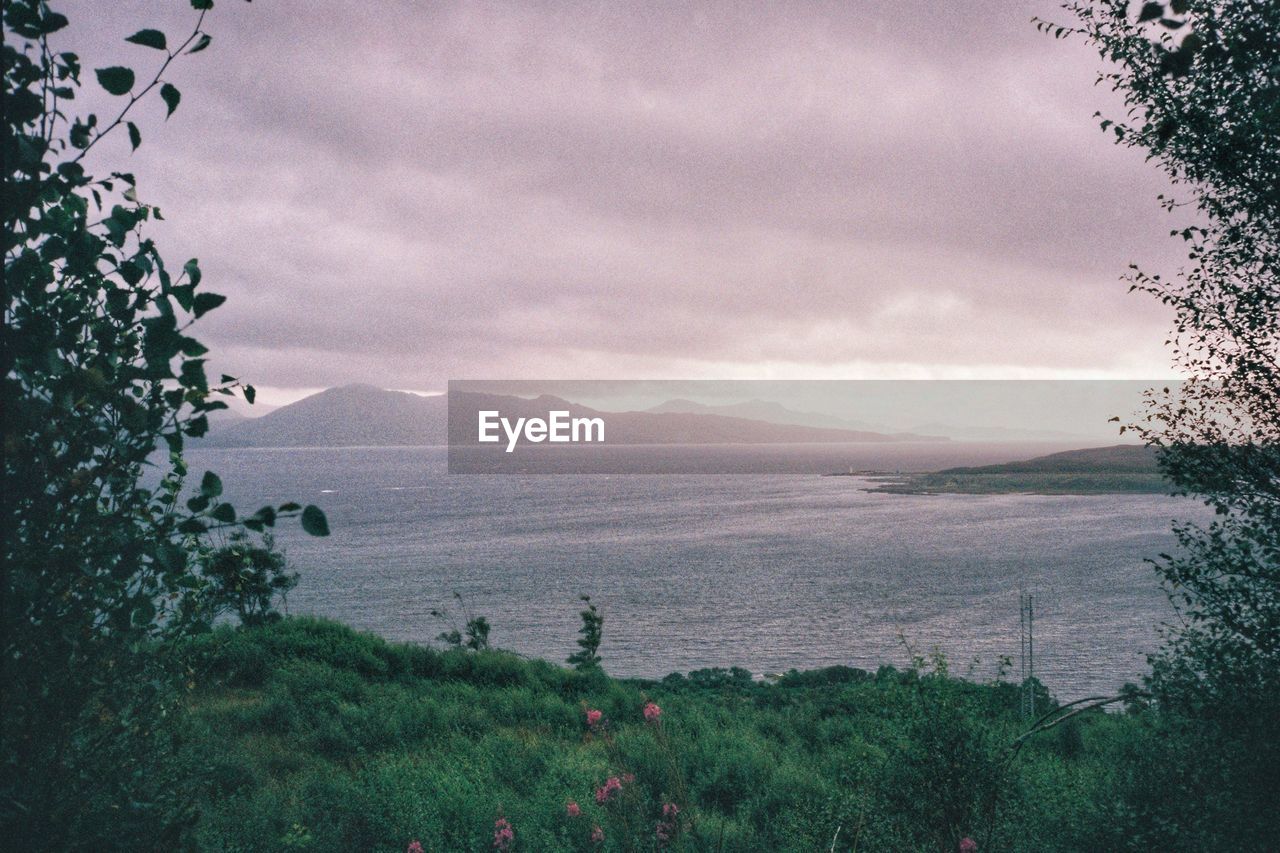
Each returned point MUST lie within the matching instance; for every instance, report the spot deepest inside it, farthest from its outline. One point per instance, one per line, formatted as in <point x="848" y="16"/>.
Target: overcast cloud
<point x="403" y="193"/>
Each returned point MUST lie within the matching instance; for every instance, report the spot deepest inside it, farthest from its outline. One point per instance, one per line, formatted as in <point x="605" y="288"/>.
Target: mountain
<point x="1094" y="470"/>
<point x="764" y="410"/>
<point x="351" y="415"/>
<point x="355" y="415"/>
<point x="997" y="433"/>
<point x="654" y="427"/>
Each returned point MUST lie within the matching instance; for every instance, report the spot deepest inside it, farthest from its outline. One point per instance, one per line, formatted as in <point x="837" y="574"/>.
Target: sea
<point x="787" y="569"/>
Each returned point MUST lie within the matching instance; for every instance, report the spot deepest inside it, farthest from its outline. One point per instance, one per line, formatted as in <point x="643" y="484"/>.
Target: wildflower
<point x="414" y="846"/>
<point x="573" y="809"/>
<point x="628" y="778"/>
<point x="667" y="827"/>
<point x="503" y="834"/>
<point x="593" y="717"/>
<point x="652" y="712"/>
<point x="597" y="835"/>
<point x="606" y="791"/>
<point x="968" y="845"/>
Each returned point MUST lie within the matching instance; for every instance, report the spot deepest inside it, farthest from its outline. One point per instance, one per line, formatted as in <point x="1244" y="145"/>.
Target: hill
<point x="1096" y="470"/>
<point x="351" y="415"/>
<point x="306" y="734"/>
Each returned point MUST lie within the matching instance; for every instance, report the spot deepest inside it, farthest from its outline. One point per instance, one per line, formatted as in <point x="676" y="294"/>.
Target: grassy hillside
<point x="1098" y="470"/>
<point x="309" y="735"/>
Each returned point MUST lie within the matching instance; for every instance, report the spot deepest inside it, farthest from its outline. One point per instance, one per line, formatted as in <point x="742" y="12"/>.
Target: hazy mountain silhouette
<point x="351" y="415"/>
<point x="776" y="413"/>
<point x="354" y="415"/>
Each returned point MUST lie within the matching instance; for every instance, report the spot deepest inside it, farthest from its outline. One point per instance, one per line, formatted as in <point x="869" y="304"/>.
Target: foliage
<point x="473" y="636"/>
<point x="590" y="635"/>
<point x="241" y="578"/>
<point x="307" y="728"/>
<point x="1201" y="81"/>
<point x="100" y="373"/>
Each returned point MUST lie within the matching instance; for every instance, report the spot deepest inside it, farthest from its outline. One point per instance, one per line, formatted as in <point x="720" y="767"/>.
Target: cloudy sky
<point x="401" y="193"/>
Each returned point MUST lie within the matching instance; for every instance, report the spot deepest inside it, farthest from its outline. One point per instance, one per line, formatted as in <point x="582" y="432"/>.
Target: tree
<point x="591" y="633"/>
<point x="102" y="382"/>
<point x="1201" y="83"/>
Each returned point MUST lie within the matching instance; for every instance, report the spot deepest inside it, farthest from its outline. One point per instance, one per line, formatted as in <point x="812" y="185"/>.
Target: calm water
<point x="764" y="571"/>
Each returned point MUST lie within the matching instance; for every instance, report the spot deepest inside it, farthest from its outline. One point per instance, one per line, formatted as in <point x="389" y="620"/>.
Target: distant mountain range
<point x="776" y="413"/>
<point x="355" y="415"/>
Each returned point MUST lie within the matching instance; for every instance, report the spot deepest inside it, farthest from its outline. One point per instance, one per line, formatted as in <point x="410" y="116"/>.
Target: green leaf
<point x="225" y="513"/>
<point x="193" y="526"/>
<point x="314" y="522"/>
<point x="149" y="38"/>
<point x="202" y="4"/>
<point x="1150" y="11"/>
<point x="201" y="43"/>
<point x="206" y="302"/>
<point x="250" y="393"/>
<point x="211" y="484"/>
<point x="144" y="612"/>
<point x="117" y="79"/>
<point x="199" y="503"/>
<point x="289" y="507"/>
<point x="192" y="269"/>
<point x="135" y="136"/>
<point x="171" y="97"/>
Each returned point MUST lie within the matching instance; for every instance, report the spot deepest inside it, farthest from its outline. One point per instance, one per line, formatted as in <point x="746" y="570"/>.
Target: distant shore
<point x="1122" y="469"/>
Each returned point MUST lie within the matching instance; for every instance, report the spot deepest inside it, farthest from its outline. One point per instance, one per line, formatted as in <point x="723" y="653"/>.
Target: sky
<point x="404" y="193"/>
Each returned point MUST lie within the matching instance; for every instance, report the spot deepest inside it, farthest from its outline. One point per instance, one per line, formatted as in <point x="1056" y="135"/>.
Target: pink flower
<point x="573" y="809"/>
<point x="968" y="845"/>
<point x="628" y="778"/>
<point x="503" y="834"/>
<point x="414" y="847"/>
<point x="606" y="791"/>
<point x="652" y="712"/>
<point x="597" y="835"/>
<point x="667" y="827"/>
<point x="593" y="717"/>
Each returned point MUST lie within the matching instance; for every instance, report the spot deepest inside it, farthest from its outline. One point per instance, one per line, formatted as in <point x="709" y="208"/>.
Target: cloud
<point x="402" y="193"/>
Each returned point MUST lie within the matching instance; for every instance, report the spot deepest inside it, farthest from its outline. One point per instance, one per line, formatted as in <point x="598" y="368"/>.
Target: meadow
<point x="305" y="734"/>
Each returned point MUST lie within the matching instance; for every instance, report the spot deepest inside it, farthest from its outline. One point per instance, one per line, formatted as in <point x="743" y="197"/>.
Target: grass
<point x="309" y="735"/>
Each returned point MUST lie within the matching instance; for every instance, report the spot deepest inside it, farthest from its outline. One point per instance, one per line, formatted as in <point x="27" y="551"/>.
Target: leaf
<point x="206" y="302"/>
<point x="211" y="484"/>
<point x="1150" y="11"/>
<point x="289" y="507"/>
<point x="201" y="43"/>
<point x="192" y="269"/>
<point x="171" y="97"/>
<point x="135" y="136"/>
<point x="117" y="79"/>
<point x="149" y="38"/>
<point x="250" y="393"/>
<point x="314" y="522"/>
<point x="202" y="5"/>
<point x="225" y="513"/>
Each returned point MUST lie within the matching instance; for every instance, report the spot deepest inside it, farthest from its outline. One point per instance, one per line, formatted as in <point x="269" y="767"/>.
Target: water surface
<point x="764" y="571"/>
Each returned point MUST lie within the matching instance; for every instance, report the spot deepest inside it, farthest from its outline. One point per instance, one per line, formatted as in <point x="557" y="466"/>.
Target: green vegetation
<point x="103" y="381"/>
<point x="1102" y="470"/>
<point x="307" y="734"/>
<point x="129" y="723"/>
